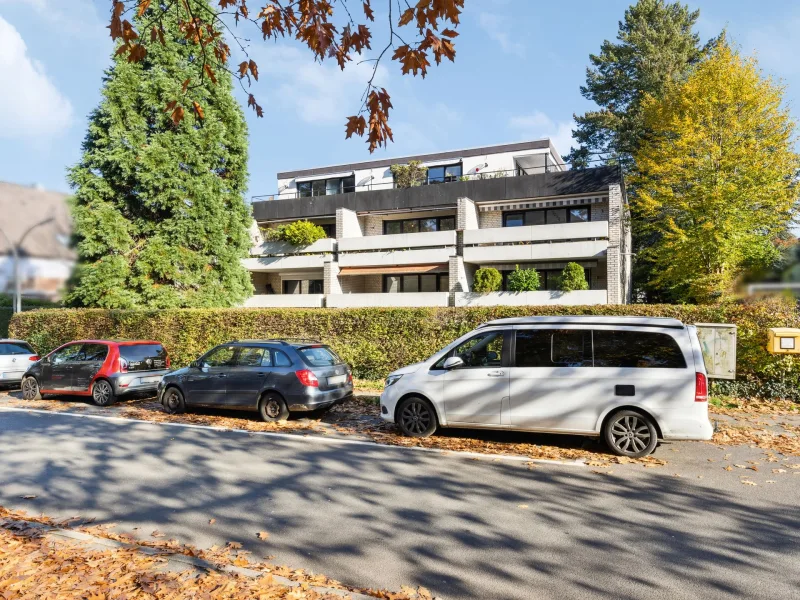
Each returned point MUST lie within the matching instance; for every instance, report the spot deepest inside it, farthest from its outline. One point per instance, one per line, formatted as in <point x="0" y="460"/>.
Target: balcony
<point x="386" y="300"/>
<point x="284" y="301"/>
<point x="282" y="248"/>
<point x="280" y="256"/>
<point x="540" y="298"/>
<point x="428" y="239"/>
<point x="432" y="247"/>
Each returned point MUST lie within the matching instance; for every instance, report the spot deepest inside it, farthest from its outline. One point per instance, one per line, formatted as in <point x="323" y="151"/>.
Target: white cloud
<point x="538" y="125"/>
<point x="30" y="106"/>
<point x="497" y="28"/>
<point x="317" y="93"/>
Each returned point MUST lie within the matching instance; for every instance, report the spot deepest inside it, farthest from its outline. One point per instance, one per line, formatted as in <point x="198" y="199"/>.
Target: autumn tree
<point x="715" y="177"/>
<point x="159" y="210"/>
<point x="656" y="45"/>
<point x="328" y="28"/>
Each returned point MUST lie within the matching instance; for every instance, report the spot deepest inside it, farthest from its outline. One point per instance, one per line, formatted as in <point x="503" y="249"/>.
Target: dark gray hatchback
<point x="274" y="377"/>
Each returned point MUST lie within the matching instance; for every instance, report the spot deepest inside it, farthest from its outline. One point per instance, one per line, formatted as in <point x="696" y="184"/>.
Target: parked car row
<point x="628" y="380"/>
<point x="273" y="377"/>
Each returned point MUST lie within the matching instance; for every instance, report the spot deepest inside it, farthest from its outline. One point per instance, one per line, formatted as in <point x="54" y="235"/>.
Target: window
<point x="571" y="348"/>
<point x="426" y="282"/>
<point x="637" y="349"/>
<point x="533" y="348"/>
<point x="549" y="279"/>
<point x="319" y="356"/>
<point x="12" y="348"/>
<point x="318" y="188"/>
<point x="419" y="225"/>
<point x="281" y="359"/>
<point x="66" y="354"/>
<point x="142" y="357"/>
<point x="93" y="353"/>
<point x="266" y="361"/>
<point x="291" y="286"/>
<point x="444" y="174"/>
<point x="316" y="286"/>
<point x="330" y="230"/>
<point x="250" y="357"/>
<point x="304" y="189"/>
<point x="326" y="187"/>
<point x="220" y="357"/>
<point x="547" y="216"/>
<point x="485" y="350"/>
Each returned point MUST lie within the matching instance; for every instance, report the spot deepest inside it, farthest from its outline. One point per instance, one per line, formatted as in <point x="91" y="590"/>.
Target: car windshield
<point x="319" y="356"/>
<point x="10" y="348"/>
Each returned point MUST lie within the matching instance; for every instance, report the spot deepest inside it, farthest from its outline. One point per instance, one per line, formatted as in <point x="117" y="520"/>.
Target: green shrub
<point x="5" y="319"/>
<point x="298" y="233"/>
<point x="573" y="277"/>
<point x="523" y="280"/>
<point x="376" y="341"/>
<point x="410" y="175"/>
<point x="487" y="280"/>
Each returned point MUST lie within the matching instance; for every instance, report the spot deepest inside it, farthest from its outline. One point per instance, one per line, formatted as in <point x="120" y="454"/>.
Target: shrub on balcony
<point x="299" y="233"/>
<point x="410" y="175"/>
<point x="523" y="280"/>
<point x="573" y="277"/>
<point x="487" y="280"/>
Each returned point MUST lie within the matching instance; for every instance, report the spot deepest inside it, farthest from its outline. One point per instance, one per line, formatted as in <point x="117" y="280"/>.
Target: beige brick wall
<point x="373" y="225"/>
<point x="373" y="284"/>
<point x="352" y="284"/>
<point x="490" y="219"/>
<point x="600" y="211"/>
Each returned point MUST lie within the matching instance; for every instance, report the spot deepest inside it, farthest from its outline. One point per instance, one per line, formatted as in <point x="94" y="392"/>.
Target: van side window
<point x="553" y="348"/>
<point x="533" y="348"/>
<point x="485" y="350"/>
<point x="637" y="349"/>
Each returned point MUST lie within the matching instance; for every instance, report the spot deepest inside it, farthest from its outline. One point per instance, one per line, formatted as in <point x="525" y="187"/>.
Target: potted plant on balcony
<point x="410" y="175"/>
<point x="573" y="278"/>
<point x="487" y="280"/>
<point x="523" y="280"/>
<point x="298" y="233"/>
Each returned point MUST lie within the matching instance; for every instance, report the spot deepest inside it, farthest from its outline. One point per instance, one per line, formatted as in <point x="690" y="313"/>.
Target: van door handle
<point x="495" y="373"/>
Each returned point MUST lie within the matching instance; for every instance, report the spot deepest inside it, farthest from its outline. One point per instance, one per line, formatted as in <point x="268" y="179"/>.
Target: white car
<point x="15" y="358"/>
<point x="630" y="380"/>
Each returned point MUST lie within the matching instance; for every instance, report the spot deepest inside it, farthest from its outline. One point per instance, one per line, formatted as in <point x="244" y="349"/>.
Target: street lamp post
<point x="15" y="248"/>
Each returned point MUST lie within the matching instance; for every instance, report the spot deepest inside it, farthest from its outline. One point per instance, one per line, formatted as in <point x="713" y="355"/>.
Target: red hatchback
<point x="104" y="370"/>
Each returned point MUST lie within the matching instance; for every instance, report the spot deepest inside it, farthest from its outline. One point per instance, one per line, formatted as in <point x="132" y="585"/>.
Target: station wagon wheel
<point x="416" y="418"/>
<point x="30" y="389"/>
<point x="173" y="401"/>
<point x="629" y="433"/>
<point x="103" y="393"/>
<point x="273" y="408"/>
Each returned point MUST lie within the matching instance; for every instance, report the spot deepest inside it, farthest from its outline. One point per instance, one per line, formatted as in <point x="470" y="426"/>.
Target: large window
<point x="547" y="216"/>
<point x="425" y="282"/>
<point x="598" y="348"/>
<point x="444" y="174"/>
<point x="326" y="187"/>
<point x="295" y="286"/>
<point x="549" y="279"/>
<point x="419" y="225"/>
<point x="484" y="350"/>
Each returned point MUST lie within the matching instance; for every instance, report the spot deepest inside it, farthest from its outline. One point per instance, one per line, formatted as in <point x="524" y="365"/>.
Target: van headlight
<point x="391" y="380"/>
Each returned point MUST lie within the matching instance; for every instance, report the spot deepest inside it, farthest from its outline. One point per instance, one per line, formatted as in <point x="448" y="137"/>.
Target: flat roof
<point x="454" y="154"/>
<point x="589" y="320"/>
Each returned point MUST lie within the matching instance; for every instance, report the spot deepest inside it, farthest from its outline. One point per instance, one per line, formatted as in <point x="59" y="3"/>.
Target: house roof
<point x="22" y="207"/>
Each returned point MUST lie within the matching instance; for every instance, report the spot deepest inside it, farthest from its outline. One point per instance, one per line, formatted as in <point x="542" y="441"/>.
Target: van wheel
<point x="30" y="389"/>
<point x="103" y="393"/>
<point x="416" y="417"/>
<point x="273" y="408"/>
<point x="629" y="433"/>
<point x="173" y="401"/>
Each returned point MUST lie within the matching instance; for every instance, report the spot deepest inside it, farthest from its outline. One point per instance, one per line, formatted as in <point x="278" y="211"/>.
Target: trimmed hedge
<point x="5" y="320"/>
<point x="377" y="340"/>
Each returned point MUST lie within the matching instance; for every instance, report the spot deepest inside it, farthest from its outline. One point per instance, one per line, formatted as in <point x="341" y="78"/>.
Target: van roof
<point x="589" y="320"/>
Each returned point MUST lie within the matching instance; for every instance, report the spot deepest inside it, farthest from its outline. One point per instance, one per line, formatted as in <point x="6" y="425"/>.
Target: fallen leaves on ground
<point x="262" y="535"/>
<point x="786" y="441"/>
<point x="33" y="565"/>
<point x="736" y="407"/>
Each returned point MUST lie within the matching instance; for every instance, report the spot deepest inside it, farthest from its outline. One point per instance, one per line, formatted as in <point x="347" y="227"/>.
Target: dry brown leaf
<point x="779" y="470"/>
<point x="522" y="506"/>
<point x="28" y="496"/>
<point x="212" y="521"/>
<point x="262" y="535"/>
<point x="728" y="468"/>
<point x="746" y="482"/>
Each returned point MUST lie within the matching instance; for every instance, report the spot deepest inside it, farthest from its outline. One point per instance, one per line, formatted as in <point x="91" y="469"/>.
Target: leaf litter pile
<point x="34" y="565"/>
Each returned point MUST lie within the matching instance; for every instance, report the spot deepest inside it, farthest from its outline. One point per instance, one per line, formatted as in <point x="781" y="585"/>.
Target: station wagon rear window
<point x="12" y="348"/>
<point x="144" y="357"/>
<point x="319" y="356"/>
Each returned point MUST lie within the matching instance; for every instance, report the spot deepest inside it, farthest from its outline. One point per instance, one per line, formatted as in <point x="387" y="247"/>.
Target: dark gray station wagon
<point x="274" y="377"/>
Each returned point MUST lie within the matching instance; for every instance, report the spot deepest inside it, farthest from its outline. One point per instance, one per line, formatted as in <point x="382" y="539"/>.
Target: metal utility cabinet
<point x="718" y="342"/>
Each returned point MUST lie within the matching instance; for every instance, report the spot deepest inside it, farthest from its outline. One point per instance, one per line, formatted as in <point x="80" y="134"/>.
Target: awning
<point x="393" y="270"/>
<point x="322" y="176"/>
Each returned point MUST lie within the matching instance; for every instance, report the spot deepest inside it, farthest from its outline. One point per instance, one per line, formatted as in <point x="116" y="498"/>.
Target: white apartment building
<point x="499" y="206"/>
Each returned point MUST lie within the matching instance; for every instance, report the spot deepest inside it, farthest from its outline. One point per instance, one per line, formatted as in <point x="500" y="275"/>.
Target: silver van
<point x="630" y="380"/>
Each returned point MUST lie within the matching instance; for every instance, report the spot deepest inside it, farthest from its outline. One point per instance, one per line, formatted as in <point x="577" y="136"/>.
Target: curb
<point x="180" y="562"/>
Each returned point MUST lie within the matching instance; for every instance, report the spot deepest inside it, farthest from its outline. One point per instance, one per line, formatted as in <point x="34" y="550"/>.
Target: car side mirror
<point x="204" y="367"/>
<point x="454" y="362"/>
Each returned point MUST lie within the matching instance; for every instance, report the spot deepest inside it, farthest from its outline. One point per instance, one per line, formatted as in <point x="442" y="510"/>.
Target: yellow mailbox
<point x="784" y="340"/>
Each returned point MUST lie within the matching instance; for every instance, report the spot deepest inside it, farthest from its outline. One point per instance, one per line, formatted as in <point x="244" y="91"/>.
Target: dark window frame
<point x="545" y="277"/>
<point x="305" y="189"/>
<point x="507" y="214"/>
<point x="418" y="220"/>
<point x="439" y="276"/>
<point x="505" y="359"/>
<point x="445" y="177"/>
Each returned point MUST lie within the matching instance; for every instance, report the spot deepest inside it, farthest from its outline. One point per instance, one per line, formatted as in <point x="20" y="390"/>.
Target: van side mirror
<point x="454" y="362"/>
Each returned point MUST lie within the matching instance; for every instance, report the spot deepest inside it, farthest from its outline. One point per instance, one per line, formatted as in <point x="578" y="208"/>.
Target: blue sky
<point x="517" y="74"/>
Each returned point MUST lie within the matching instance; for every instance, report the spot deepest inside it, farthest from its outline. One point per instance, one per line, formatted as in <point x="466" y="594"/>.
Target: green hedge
<point x="377" y="340"/>
<point x="5" y="319"/>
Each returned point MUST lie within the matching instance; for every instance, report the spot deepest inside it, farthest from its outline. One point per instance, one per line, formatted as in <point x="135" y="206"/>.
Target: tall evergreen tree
<point x="656" y="45"/>
<point x="159" y="210"/>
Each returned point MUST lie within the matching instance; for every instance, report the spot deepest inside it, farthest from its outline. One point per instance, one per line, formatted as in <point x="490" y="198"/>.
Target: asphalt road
<point x="381" y="516"/>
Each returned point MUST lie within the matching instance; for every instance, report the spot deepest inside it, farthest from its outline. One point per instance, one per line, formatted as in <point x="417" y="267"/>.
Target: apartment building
<point x="498" y="206"/>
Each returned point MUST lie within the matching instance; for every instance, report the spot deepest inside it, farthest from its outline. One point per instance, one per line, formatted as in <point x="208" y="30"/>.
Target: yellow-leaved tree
<point x="715" y="178"/>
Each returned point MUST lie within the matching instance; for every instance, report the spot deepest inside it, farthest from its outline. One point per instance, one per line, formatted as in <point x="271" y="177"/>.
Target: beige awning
<point x="393" y="270"/>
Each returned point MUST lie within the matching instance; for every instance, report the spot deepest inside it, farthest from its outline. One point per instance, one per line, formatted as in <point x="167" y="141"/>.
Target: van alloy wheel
<point x="416" y="418"/>
<point x="30" y="389"/>
<point x="102" y="393"/>
<point x="631" y="434"/>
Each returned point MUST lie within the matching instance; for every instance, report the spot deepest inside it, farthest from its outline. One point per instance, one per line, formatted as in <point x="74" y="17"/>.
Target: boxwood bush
<point x="377" y="340"/>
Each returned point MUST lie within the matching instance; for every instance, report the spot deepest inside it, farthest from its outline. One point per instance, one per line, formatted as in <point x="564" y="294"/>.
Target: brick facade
<point x="490" y="219"/>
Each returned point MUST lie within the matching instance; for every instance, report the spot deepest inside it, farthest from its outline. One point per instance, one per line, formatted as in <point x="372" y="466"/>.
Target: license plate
<point x="151" y="379"/>
<point x="337" y="379"/>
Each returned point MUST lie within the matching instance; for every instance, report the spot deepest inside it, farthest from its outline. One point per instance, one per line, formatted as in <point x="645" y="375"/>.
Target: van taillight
<point x="307" y="378"/>
<point x="34" y="357"/>
<point x="123" y="365"/>
<point x="700" y="388"/>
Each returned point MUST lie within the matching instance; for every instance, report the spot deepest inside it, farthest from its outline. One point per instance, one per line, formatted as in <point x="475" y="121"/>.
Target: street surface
<point x="381" y="516"/>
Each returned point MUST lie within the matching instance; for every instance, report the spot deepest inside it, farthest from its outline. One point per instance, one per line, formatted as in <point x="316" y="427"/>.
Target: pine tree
<point x="715" y="178"/>
<point x="159" y="211"/>
<point x="656" y="46"/>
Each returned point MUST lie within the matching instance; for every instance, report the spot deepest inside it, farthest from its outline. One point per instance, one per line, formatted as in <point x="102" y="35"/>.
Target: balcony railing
<point x="537" y="233"/>
<point x="424" y="239"/>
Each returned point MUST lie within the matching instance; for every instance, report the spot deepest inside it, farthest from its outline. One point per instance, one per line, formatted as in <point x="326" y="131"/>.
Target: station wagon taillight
<point x="307" y="378"/>
<point x="700" y="388"/>
<point x="123" y="365"/>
